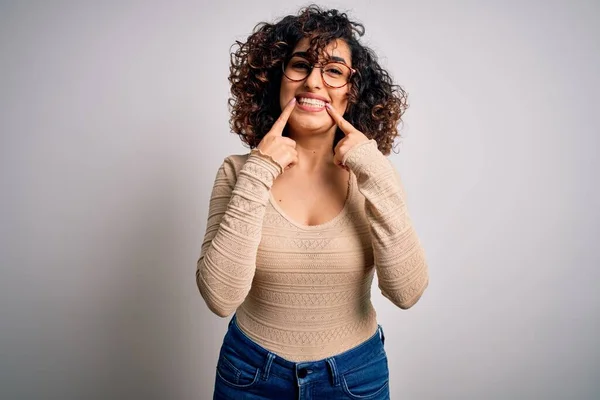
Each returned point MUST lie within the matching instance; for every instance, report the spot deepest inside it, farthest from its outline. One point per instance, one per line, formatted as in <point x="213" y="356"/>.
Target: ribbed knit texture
<point x="303" y="292"/>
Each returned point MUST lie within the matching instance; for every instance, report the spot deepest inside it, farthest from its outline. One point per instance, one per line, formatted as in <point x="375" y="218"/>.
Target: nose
<point x="314" y="79"/>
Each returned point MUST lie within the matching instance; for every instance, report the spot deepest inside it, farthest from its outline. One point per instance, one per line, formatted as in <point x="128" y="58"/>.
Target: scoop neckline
<point x="349" y="196"/>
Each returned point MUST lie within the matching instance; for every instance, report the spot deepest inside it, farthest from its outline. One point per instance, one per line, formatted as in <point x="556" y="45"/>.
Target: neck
<point x="315" y="151"/>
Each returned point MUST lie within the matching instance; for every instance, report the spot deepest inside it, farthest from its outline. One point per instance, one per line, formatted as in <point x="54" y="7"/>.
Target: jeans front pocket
<point x="234" y="370"/>
<point x="370" y="381"/>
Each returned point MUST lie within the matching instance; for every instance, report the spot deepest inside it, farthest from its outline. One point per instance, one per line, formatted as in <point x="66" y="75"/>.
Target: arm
<point x="399" y="257"/>
<point x="233" y="231"/>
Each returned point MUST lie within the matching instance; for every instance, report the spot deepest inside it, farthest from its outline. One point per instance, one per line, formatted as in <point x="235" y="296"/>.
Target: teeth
<point x="311" y="102"/>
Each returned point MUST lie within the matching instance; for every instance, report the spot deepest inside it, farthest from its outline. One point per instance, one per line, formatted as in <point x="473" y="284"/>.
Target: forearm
<point x="399" y="257"/>
<point x="227" y="264"/>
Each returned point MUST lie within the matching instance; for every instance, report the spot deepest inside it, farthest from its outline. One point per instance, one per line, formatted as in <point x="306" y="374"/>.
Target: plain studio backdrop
<point x="114" y="120"/>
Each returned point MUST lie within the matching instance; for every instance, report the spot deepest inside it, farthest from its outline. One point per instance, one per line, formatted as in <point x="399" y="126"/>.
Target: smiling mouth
<point x="309" y="102"/>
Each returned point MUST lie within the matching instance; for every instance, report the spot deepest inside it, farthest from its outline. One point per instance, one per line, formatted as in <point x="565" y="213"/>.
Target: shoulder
<point x="235" y="162"/>
<point x="231" y="166"/>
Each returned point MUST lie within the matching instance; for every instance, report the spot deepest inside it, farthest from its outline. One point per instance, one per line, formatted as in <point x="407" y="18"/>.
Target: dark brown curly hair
<point x="375" y="104"/>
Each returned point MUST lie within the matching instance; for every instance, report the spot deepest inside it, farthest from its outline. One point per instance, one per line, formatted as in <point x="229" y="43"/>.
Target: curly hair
<point x="375" y="104"/>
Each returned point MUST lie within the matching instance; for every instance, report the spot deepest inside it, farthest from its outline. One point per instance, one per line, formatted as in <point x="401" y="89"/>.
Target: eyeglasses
<point x="334" y="74"/>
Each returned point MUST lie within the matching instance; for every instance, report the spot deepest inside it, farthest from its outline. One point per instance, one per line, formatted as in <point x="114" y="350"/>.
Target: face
<point x="310" y="116"/>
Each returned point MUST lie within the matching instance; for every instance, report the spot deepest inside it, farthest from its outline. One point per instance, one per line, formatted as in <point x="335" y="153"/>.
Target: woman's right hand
<point x="280" y="148"/>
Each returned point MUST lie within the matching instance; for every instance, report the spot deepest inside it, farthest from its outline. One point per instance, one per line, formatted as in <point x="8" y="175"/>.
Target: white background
<point x="114" y="120"/>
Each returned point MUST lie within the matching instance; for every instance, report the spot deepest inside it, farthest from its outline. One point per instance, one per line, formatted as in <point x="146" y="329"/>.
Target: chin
<point x="311" y="126"/>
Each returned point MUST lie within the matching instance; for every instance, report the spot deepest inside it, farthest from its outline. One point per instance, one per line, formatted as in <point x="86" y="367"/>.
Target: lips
<point x="311" y="102"/>
<point x="308" y="95"/>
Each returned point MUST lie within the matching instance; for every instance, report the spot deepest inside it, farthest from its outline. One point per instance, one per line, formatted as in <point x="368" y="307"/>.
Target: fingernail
<point x="328" y="106"/>
<point x="293" y="100"/>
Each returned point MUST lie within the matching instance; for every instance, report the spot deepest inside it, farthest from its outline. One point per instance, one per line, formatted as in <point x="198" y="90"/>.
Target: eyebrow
<point x="304" y="54"/>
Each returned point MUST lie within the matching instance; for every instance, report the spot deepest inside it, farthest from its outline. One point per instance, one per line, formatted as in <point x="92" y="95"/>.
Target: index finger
<point x="344" y="125"/>
<point x="282" y="120"/>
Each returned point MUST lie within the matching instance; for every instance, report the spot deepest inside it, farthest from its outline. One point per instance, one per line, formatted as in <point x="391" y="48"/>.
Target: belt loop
<point x="381" y="335"/>
<point x="334" y="372"/>
<point x="267" y="368"/>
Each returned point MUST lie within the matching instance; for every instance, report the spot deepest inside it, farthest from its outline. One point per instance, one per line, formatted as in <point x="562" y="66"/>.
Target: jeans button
<point x="302" y="373"/>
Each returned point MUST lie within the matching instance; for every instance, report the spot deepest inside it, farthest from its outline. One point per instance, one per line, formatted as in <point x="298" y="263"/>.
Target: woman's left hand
<point x="353" y="136"/>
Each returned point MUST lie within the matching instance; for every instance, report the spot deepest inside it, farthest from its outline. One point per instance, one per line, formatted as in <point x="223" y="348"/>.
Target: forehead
<point x="337" y="48"/>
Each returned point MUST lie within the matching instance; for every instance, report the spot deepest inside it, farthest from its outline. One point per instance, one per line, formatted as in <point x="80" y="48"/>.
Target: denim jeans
<point x="245" y="370"/>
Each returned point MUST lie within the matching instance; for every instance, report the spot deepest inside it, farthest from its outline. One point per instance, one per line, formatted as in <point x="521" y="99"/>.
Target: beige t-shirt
<point x="303" y="292"/>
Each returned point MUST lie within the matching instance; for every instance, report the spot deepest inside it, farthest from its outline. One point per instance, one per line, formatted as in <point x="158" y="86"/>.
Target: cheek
<point x="286" y="93"/>
<point x="341" y="101"/>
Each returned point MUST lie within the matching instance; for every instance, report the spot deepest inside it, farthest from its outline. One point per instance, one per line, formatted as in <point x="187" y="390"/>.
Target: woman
<point x="297" y="227"/>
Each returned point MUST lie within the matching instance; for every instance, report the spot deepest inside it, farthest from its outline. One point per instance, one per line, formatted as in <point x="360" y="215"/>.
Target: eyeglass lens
<point x="334" y="73"/>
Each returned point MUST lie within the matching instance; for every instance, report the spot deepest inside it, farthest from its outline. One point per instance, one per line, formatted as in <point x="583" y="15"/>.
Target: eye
<point x="300" y="65"/>
<point x="333" y="69"/>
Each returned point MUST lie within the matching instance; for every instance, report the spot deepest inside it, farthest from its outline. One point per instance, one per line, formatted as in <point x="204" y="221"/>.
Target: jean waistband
<point x="337" y="364"/>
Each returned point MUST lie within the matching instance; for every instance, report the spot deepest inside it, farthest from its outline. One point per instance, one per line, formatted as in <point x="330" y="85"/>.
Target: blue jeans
<point x="245" y="370"/>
